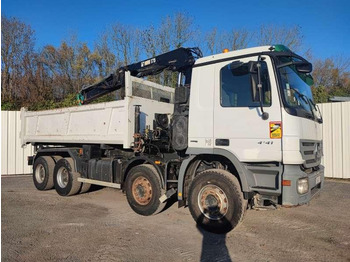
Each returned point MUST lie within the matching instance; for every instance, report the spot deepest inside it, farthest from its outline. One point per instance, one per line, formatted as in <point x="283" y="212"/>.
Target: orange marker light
<point x="157" y="162"/>
<point x="225" y="50"/>
<point x="286" y="183"/>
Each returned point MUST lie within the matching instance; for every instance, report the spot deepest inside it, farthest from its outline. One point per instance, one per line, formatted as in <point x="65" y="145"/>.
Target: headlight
<point x="303" y="185"/>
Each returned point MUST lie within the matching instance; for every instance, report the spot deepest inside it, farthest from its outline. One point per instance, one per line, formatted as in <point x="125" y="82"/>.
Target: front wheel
<point x="143" y="190"/>
<point x="216" y="201"/>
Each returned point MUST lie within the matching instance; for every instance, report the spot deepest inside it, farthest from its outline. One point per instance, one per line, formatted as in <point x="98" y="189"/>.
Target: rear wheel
<point x="43" y="173"/>
<point x="56" y="158"/>
<point x="85" y="188"/>
<point x="216" y="201"/>
<point x="65" y="179"/>
<point x="143" y="190"/>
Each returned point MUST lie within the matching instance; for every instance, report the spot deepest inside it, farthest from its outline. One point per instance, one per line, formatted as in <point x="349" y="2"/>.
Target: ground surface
<point x="100" y="226"/>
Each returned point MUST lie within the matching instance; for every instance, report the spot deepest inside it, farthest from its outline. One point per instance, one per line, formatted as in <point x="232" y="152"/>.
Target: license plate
<point x="318" y="180"/>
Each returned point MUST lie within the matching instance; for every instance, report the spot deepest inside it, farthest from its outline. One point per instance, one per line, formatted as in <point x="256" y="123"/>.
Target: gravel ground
<point x="100" y="226"/>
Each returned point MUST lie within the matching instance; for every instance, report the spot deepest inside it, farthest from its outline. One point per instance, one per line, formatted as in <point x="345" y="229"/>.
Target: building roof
<point x="339" y="99"/>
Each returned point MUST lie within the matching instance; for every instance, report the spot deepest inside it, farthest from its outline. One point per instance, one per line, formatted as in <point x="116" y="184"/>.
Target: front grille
<point x="311" y="152"/>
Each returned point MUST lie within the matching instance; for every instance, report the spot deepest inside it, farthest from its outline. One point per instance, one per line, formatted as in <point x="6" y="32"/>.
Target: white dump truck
<point x="240" y="129"/>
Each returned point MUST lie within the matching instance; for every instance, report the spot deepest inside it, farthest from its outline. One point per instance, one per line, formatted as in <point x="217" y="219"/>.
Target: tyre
<point x="56" y="158"/>
<point x="43" y="173"/>
<point x="65" y="179"/>
<point x="85" y="188"/>
<point x="216" y="201"/>
<point x="143" y="190"/>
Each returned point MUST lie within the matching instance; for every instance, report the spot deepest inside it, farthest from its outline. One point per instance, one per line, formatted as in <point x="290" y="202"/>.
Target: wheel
<point x="56" y="158"/>
<point x="143" y="190"/>
<point x="65" y="179"/>
<point x="43" y="173"/>
<point x="84" y="188"/>
<point x="216" y="201"/>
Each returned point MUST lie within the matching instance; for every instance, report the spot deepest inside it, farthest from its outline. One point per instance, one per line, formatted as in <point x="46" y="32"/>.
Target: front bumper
<point x="290" y="195"/>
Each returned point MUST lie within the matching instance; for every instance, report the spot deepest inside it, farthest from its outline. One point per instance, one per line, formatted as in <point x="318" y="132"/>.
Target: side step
<point x="98" y="182"/>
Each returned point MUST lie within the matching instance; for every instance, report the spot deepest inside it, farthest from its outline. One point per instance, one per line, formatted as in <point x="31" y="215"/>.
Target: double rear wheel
<point x="43" y="173"/>
<point x="57" y="172"/>
<point x="65" y="178"/>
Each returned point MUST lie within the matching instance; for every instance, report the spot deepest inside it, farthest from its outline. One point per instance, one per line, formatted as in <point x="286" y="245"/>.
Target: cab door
<point x="238" y="124"/>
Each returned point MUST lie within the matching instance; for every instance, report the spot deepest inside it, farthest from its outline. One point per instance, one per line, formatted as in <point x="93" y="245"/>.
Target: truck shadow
<point x="94" y="188"/>
<point x="171" y="201"/>
<point x="213" y="245"/>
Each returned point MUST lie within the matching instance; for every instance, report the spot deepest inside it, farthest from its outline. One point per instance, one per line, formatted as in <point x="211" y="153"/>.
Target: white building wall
<point x="336" y="142"/>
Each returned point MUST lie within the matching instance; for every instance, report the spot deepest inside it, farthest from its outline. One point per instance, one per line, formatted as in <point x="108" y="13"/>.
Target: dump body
<point x="103" y="123"/>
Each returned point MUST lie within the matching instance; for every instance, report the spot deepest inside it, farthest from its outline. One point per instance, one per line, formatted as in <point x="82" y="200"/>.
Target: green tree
<point x="70" y="66"/>
<point x="320" y="94"/>
<point x="331" y="78"/>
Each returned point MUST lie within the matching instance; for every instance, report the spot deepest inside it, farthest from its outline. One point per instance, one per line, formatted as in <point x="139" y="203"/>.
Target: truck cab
<point x="278" y="154"/>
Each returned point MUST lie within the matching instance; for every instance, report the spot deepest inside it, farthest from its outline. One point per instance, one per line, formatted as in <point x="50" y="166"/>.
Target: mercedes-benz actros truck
<point x="239" y="129"/>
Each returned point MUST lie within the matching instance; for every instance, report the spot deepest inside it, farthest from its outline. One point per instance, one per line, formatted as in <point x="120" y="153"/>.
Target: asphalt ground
<point x="100" y="226"/>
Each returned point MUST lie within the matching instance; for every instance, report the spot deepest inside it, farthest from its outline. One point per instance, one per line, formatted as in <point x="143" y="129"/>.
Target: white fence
<point x="336" y="139"/>
<point x="13" y="156"/>
<point x="336" y="142"/>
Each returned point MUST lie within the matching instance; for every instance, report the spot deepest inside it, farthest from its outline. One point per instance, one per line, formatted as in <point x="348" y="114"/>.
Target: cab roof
<point x="241" y="52"/>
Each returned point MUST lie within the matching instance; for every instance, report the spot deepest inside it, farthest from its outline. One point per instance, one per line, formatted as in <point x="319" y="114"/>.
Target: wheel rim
<point x="62" y="177"/>
<point x="142" y="190"/>
<point x="40" y="173"/>
<point x="213" y="202"/>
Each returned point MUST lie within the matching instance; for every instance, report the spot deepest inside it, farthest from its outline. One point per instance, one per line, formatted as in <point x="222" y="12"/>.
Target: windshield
<point x="296" y="88"/>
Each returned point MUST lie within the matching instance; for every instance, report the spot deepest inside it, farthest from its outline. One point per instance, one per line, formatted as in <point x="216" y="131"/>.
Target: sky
<point x="325" y="25"/>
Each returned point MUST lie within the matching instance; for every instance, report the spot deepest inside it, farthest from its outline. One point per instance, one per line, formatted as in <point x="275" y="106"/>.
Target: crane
<point x="179" y="60"/>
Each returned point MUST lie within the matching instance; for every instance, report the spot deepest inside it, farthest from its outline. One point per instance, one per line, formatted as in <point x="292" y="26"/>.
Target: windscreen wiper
<point x="306" y="100"/>
<point x="304" y="97"/>
<point x="317" y="108"/>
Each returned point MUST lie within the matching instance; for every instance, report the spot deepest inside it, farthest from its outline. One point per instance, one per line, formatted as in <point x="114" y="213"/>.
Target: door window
<point x="236" y="90"/>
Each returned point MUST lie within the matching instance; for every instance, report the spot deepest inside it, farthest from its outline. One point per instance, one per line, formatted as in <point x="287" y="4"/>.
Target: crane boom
<point x="179" y="60"/>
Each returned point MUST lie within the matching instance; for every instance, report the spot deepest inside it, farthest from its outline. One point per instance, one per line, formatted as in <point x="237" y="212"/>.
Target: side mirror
<point x="303" y="67"/>
<point x="253" y="69"/>
<point x="254" y="86"/>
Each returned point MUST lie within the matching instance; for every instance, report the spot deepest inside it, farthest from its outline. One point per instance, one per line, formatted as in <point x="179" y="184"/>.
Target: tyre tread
<point x="154" y="171"/>
<point x="161" y="205"/>
<point x="230" y="178"/>
<point x="85" y="188"/>
<point x="75" y="184"/>
<point x="51" y="165"/>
